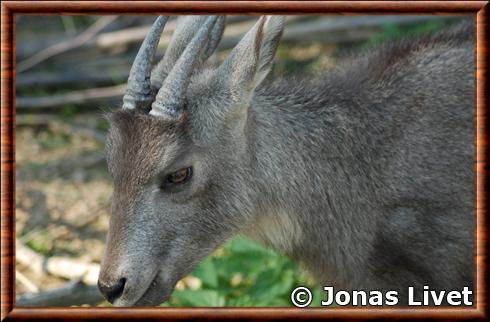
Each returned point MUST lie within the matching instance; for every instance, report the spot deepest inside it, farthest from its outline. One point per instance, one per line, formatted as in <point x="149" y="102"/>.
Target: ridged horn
<point x="186" y="28"/>
<point x="138" y="92"/>
<point x="214" y="38"/>
<point x="169" y="100"/>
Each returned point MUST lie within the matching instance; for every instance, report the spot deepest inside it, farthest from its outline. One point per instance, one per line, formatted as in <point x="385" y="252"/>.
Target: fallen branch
<point x="235" y="29"/>
<point x="73" y="293"/>
<point x="68" y="77"/>
<point x="76" y="97"/>
<point x="331" y="30"/>
<point x="296" y="30"/>
<point x="81" y="290"/>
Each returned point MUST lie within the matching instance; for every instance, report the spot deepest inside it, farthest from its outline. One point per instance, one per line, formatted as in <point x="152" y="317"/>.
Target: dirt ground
<point x="62" y="192"/>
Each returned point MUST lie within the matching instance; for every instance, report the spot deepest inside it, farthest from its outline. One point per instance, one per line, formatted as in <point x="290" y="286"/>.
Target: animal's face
<point x="170" y="205"/>
<point x="178" y="183"/>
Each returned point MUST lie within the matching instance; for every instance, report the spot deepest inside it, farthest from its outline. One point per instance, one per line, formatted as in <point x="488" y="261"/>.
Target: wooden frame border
<point x="11" y="8"/>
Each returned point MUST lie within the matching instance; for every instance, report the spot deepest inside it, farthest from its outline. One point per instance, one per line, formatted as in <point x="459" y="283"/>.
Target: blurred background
<point x="71" y="69"/>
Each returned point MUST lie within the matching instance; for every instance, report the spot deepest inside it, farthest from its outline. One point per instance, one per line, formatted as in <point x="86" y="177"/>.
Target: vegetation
<point x="242" y="273"/>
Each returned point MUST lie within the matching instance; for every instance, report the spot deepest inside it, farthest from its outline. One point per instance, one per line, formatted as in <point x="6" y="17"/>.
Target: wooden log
<point x="328" y="30"/>
<point x="235" y="27"/>
<point x="299" y="29"/>
<point x="76" y="97"/>
<point x="82" y="289"/>
<point x="77" y="77"/>
<point x="73" y="293"/>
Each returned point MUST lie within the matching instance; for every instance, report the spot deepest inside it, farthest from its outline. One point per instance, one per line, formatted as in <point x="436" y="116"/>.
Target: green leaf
<point x="246" y="246"/>
<point x="198" y="298"/>
<point x="242" y="301"/>
<point x="207" y="273"/>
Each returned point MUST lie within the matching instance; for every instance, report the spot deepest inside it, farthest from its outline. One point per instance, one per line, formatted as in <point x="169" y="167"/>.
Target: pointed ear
<point x="251" y="60"/>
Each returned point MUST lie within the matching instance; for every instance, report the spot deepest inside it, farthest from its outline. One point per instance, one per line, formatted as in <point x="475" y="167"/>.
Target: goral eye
<point x="176" y="178"/>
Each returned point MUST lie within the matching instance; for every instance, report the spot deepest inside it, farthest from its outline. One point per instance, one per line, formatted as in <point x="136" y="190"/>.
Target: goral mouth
<point x="155" y="294"/>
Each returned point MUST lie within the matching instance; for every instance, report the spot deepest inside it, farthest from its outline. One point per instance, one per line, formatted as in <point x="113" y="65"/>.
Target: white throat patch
<point x="277" y="230"/>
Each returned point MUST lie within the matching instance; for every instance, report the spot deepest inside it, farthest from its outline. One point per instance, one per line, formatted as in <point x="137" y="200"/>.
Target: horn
<point x="215" y="37"/>
<point x="168" y="102"/>
<point x="139" y="91"/>
<point x="186" y="28"/>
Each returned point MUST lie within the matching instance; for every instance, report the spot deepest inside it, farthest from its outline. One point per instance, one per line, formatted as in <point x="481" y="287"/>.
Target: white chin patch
<point x="277" y="230"/>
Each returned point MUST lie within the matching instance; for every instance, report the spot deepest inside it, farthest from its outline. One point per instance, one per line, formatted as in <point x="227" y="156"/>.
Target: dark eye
<point x="176" y="178"/>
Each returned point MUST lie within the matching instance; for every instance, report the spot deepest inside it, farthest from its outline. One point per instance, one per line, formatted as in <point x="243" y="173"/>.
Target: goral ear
<point x="235" y="81"/>
<point x="251" y="60"/>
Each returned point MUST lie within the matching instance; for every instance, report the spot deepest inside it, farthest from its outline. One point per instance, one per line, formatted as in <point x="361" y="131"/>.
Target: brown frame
<point x="10" y="8"/>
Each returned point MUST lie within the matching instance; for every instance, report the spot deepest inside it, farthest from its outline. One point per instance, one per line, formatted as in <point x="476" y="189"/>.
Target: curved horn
<point x="214" y="38"/>
<point x="139" y="91"/>
<point x="186" y="28"/>
<point x="168" y="102"/>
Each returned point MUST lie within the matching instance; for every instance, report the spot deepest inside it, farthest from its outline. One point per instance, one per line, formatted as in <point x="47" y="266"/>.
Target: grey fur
<point x="365" y="174"/>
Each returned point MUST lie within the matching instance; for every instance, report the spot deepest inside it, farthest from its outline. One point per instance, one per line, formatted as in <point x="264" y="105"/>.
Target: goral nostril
<point x="112" y="292"/>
